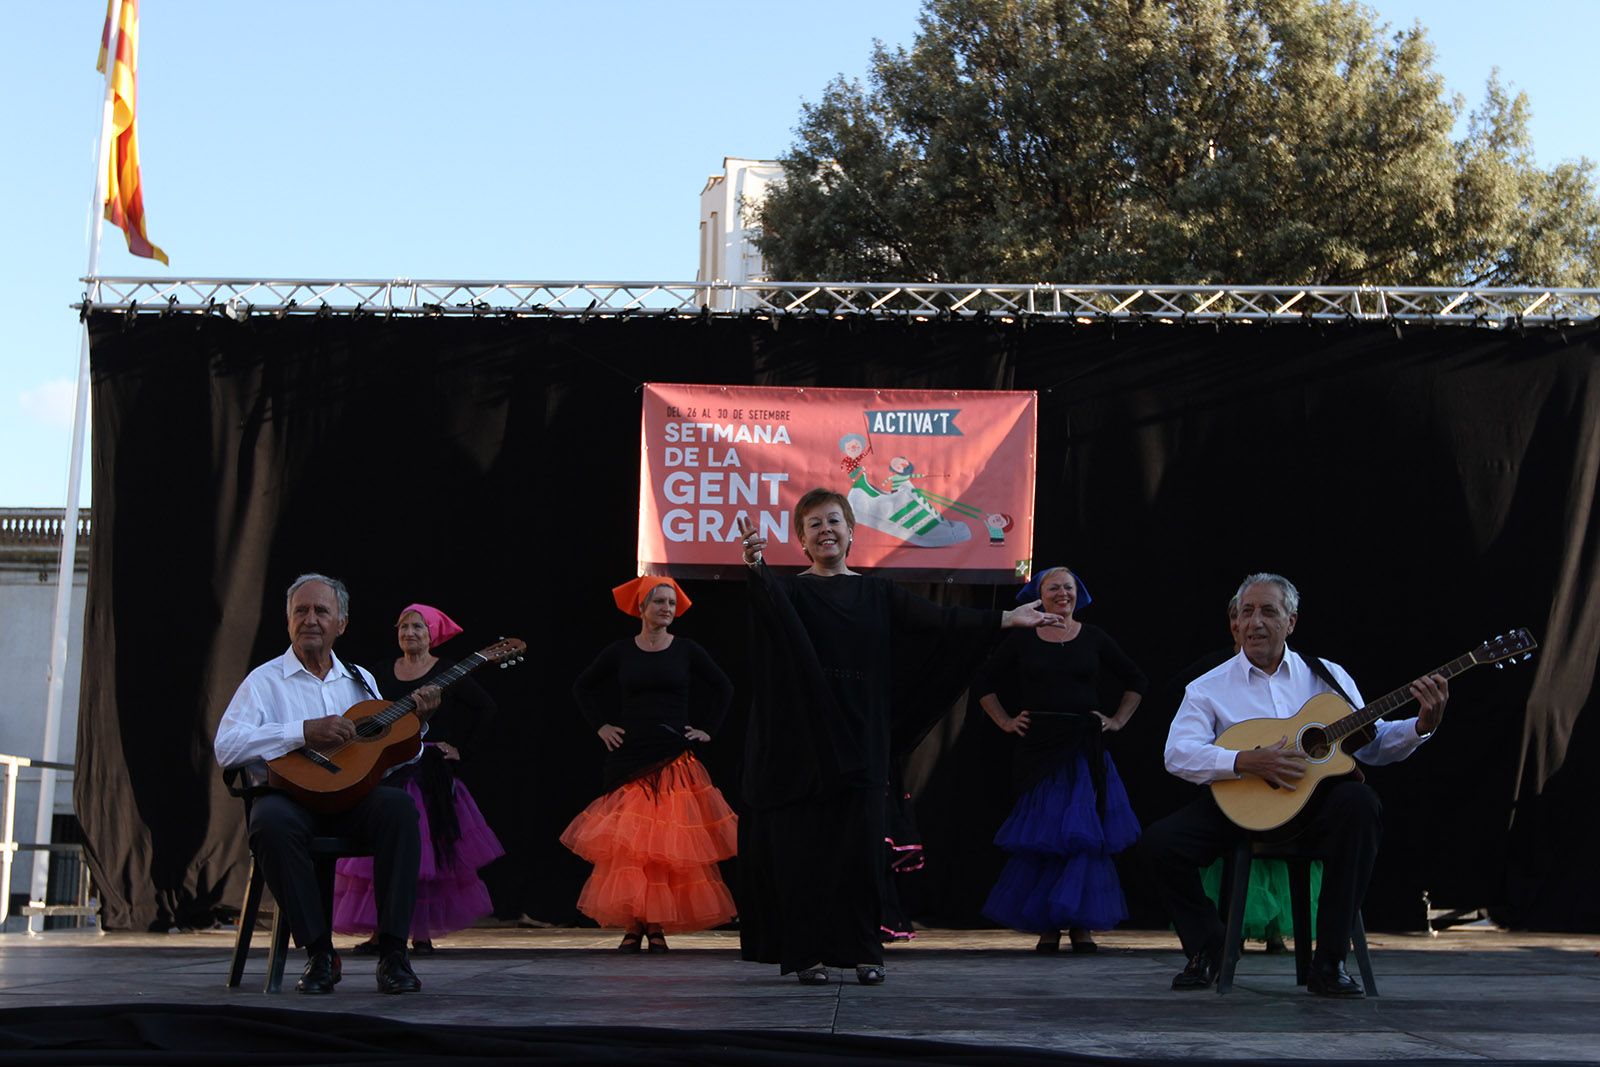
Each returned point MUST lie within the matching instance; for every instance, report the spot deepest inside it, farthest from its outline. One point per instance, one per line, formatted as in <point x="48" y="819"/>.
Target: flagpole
<point x="55" y="691"/>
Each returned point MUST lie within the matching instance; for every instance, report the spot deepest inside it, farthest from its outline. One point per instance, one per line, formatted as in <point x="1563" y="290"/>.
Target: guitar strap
<point x="361" y="678"/>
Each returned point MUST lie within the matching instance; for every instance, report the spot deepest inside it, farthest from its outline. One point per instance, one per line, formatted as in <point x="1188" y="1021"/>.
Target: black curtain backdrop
<point x="1427" y="489"/>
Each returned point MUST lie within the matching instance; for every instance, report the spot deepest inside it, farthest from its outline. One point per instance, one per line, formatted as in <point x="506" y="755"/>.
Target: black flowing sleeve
<point x="912" y="612"/>
<point x="713" y="692"/>
<point x="590" y="688"/>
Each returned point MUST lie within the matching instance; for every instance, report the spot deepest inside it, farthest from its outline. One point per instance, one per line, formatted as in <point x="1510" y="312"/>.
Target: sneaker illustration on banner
<point x="904" y="513"/>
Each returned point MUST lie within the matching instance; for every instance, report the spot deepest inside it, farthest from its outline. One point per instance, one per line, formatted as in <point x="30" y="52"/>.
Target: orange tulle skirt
<point x="655" y="843"/>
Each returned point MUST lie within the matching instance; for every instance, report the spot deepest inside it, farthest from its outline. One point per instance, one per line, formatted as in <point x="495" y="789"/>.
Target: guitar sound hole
<point x="369" y="729"/>
<point x="1314" y="743"/>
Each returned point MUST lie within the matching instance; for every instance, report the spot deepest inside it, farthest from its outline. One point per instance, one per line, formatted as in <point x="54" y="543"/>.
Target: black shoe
<point x="369" y="947"/>
<point x="1199" y="973"/>
<point x="422" y="947"/>
<point x="396" y="976"/>
<point x="322" y="973"/>
<point x="1333" y="982"/>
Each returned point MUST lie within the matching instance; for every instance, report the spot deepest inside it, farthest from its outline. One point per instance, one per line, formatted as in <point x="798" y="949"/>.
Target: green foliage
<point x="1192" y="141"/>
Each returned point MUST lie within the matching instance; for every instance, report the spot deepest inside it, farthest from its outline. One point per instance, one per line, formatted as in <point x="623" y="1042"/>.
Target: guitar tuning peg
<point x="1499" y="666"/>
<point x="1526" y="656"/>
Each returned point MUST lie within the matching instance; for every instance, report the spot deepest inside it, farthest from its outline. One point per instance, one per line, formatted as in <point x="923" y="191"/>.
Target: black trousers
<point x="1344" y="825"/>
<point x="385" y="821"/>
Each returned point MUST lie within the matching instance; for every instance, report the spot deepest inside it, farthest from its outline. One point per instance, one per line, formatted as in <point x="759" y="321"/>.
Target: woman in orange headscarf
<point x="656" y="834"/>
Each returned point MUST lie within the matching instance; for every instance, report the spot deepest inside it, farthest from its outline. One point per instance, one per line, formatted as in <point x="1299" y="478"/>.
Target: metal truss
<point x="239" y="299"/>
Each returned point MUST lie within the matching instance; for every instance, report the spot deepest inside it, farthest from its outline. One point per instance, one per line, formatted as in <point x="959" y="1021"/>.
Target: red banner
<point x="941" y="482"/>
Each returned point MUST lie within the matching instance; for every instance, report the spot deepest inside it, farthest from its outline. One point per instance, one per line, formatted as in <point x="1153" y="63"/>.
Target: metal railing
<point x="241" y="298"/>
<point x="10" y="846"/>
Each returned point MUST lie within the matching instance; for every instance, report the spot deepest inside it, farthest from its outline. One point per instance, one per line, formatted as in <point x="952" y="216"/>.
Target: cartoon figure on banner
<point x="998" y="523"/>
<point x="916" y="516"/>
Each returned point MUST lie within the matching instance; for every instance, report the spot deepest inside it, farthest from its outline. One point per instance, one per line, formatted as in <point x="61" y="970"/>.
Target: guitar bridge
<point x="321" y="761"/>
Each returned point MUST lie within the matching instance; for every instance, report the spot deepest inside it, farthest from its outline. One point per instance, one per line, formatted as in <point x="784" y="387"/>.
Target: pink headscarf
<point x="441" y="627"/>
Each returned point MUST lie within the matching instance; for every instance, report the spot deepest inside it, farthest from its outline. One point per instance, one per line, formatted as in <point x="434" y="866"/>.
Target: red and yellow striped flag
<point x="124" y="199"/>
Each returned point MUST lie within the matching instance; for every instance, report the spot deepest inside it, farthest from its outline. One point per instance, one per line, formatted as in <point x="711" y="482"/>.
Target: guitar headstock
<point x="507" y="652"/>
<point x="1510" y="647"/>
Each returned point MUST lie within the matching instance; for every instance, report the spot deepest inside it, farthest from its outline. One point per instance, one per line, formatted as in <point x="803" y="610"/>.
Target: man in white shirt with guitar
<point x="1268" y="681"/>
<point x="296" y="700"/>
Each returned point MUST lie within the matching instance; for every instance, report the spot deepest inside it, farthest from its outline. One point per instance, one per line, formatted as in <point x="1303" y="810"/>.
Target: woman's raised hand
<point x="695" y="734"/>
<point x="1030" y="617"/>
<point x="751" y="541"/>
<point x="612" y="736"/>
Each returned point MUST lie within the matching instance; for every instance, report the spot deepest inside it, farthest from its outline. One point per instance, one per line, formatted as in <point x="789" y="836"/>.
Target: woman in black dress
<point x="657" y="832"/>
<point x="1072" y="814"/>
<point x="818" y="746"/>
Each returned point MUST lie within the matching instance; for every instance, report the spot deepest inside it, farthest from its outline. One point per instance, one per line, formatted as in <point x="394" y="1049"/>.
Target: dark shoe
<point x="817" y="975"/>
<point x="423" y="947"/>
<point x="1333" y="982"/>
<point x="369" y="947"/>
<point x="1275" y="946"/>
<point x="1082" y="942"/>
<point x="1200" y="972"/>
<point x="1049" y="943"/>
<point x="657" y="939"/>
<point x="871" y="974"/>
<point x="396" y="976"/>
<point x="631" y="941"/>
<point x="322" y="973"/>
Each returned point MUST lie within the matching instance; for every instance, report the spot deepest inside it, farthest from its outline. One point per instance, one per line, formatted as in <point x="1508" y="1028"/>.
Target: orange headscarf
<point x="629" y="594"/>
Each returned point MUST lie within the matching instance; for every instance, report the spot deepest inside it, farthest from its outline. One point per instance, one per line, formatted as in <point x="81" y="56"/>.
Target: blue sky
<point x="482" y="139"/>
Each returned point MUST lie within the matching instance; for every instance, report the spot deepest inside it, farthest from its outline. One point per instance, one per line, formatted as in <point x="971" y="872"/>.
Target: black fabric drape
<point x="1426" y="491"/>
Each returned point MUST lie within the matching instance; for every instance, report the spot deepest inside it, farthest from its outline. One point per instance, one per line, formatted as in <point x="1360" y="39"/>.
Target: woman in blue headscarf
<point x="1072" y="814"/>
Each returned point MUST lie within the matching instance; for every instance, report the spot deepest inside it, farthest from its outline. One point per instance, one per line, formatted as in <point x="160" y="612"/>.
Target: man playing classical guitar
<point x="1267" y="679"/>
<point x="299" y="699"/>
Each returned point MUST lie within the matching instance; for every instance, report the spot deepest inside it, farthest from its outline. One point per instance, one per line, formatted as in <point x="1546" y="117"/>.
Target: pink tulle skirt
<point x="655" y="843"/>
<point x="449" y="896"/>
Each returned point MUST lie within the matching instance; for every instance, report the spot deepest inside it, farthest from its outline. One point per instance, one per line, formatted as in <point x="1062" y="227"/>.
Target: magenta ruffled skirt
<point x="449" y="896"/>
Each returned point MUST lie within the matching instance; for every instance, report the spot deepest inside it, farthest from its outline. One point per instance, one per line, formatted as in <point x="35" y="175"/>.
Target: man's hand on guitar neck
<point x="1432" y="692"/>
<point x="427" y="701"/>
<point x="1277" y="765"/>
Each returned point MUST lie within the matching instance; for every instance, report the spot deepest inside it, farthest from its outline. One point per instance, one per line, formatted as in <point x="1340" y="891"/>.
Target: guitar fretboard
<point x="406" y="705"/>
<point x="1390" y="702"/>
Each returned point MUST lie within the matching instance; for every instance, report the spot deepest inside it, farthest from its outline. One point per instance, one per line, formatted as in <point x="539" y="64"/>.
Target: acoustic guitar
<point x="1319" y="731"/>
<point x="333" y="778"/>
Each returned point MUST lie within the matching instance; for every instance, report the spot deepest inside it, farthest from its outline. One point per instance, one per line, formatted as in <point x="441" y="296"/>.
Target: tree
<point x="1189" y="141"/>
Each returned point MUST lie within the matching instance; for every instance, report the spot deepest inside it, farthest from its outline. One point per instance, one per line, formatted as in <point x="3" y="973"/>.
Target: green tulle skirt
<point x="1267" y="911"/>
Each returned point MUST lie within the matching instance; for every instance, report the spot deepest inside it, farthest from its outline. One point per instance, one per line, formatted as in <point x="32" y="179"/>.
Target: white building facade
<point x="727" y="232"/>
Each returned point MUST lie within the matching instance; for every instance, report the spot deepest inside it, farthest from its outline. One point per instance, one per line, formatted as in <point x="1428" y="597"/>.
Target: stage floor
<point x="1468" y="994"/>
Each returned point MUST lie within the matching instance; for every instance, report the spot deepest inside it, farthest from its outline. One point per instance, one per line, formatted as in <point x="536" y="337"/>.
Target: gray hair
<point x="339" y="591"/>
<point x="1233" y="607"/>
<point x="1291" y="595"/>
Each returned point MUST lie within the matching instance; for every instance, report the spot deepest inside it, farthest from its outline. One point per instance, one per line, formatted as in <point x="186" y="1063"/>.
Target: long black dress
<point x="827" y="694"/>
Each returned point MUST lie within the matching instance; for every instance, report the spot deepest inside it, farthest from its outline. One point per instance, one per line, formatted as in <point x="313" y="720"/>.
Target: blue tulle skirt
<point x="1061" y="874"/>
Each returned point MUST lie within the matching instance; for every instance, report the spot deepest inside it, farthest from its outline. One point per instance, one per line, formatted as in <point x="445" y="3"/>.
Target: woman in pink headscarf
<point x="456" y="842"/>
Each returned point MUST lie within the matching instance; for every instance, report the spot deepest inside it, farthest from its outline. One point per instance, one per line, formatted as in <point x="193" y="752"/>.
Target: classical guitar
<point x="334" y="778"/>
<point x="1320" y="731"/>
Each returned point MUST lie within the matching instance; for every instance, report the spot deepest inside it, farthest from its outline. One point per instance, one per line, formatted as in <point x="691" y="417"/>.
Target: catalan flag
<point x="124" y="199"/>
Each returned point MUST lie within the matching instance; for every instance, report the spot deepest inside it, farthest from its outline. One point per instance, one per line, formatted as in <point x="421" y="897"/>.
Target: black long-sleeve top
<point x="1059" y="682"/>
<point x="828" y="688"/>
<point x="653" y="697"/>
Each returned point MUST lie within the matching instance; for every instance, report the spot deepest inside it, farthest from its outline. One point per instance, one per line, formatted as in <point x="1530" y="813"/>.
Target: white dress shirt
<point x="267" y="715"/>
<point x="1239" y="690"/>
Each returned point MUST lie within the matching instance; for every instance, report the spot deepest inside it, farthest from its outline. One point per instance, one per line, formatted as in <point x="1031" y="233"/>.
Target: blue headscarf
<point x="1030" y="592"/>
